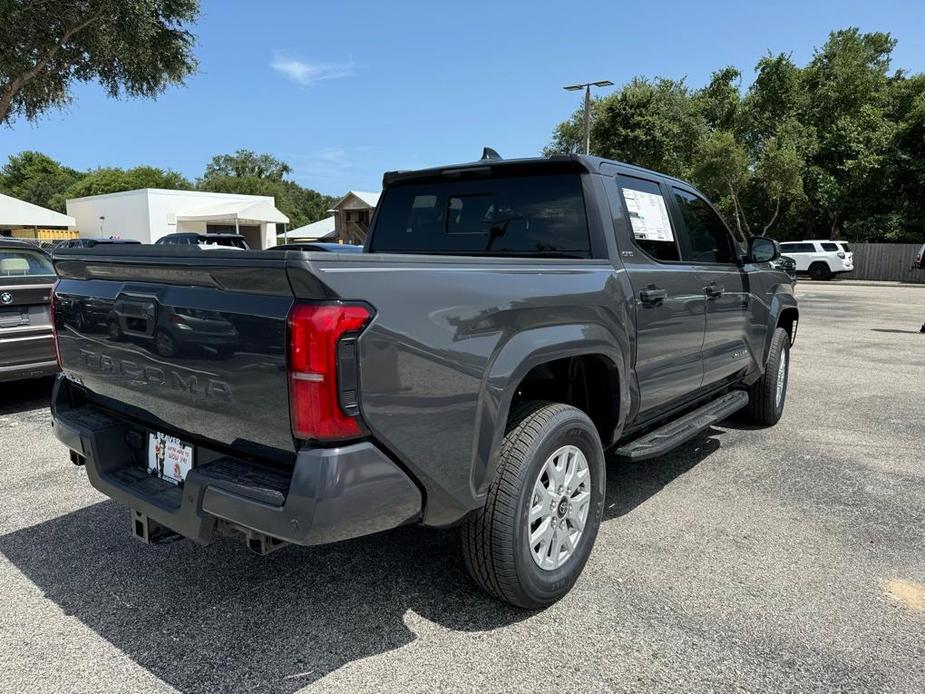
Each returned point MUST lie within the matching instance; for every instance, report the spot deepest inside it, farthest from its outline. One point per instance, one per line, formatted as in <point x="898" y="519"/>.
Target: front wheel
<point x="768" y="394"/>
<point x="529" y="543"/>
<point x="165" y="345"/>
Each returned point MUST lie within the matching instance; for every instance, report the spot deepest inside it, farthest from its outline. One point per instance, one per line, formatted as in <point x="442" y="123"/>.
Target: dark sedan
<point x="27" y="348"/>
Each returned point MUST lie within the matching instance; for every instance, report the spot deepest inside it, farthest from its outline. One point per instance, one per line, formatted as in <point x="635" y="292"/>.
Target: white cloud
<point x="305" y="73"/>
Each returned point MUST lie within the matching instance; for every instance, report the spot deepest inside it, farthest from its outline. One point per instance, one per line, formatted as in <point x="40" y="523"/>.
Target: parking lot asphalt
<point x="785" y="559"/>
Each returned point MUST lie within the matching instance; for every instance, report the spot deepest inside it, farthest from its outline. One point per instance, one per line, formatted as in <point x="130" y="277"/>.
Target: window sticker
<point x="648" y="215"/>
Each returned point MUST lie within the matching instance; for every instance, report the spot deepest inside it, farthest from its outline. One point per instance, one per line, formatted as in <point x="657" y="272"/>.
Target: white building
<point x="150" y="213"/>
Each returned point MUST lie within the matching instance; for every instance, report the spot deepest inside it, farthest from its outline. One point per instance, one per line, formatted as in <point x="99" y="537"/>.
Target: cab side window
<point x="710" y="241"/>
<point x="797" y="248"/>
<point x="649" y="218"/>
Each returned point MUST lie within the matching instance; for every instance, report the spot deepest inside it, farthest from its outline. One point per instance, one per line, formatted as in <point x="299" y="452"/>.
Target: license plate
<point x="14" y="318"/>
<point x="168" y="457"/>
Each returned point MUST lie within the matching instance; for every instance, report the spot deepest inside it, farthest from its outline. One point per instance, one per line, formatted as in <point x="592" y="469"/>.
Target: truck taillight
<point x="316" y="334"/>
<point x="52" y="316"/>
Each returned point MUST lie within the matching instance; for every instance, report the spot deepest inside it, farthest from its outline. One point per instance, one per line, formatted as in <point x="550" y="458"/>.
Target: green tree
<point x="779" y="176"/>
<point x="833" y="148"/>
<point x="246" y="164"/>
<point x="720" y="101"/>
<point x="115" y="180"/>
<point x="721" y="169"/>
<point x="37" y="178"/>
<point x="249" y="173"/>
<point x="135" y="48"/>
<point x="650" y="123"/>
<point x="848" y="89"/>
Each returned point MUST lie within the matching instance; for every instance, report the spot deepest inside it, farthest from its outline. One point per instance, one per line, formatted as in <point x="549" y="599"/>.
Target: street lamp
<point x="587" y="87"/>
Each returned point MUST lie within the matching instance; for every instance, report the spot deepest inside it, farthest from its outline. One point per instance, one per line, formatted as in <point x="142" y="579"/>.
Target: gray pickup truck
<point x="508" y="322"/>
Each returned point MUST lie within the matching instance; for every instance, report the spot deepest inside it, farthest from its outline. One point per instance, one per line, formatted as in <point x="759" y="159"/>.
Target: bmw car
<point x="27" y="347"/>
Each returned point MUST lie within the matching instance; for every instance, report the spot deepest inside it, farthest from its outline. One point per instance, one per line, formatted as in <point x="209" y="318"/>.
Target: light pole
<point x="587" y="87"/>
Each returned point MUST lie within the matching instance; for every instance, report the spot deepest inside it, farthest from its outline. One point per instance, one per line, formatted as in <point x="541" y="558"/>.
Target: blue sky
<point x="345" y="91"/>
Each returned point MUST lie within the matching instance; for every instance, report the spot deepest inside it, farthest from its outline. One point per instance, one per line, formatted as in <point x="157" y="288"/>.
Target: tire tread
<point x="761" y="408"/>
<point x="487" y="548"/>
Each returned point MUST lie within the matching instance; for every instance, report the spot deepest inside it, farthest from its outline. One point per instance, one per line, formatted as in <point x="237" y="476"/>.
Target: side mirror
<point x="762" y="249"/>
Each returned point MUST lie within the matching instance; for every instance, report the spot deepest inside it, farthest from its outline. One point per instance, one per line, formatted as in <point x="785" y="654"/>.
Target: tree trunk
<point x="740" y="213"/>
<point x="764" y="232"/>
<point x="836" y="226"/>
<point x="735" y="209"/>
<point x="741" y="221"/>
<point x="6" y="99"/>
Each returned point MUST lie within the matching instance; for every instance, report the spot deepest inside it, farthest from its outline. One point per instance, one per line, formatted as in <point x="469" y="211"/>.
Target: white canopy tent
<point x="19" y="213"/>
<point x="316" y="231"/>
<point x="235" y="212"/>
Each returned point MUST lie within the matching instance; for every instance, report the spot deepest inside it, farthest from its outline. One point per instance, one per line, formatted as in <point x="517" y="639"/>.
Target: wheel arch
<point x="784" y="314"/>
<point x="522" y="356"/>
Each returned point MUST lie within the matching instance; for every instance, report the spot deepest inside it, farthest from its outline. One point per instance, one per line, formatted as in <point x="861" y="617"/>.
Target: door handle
<point x="653" y="295"/>
<point x="714" y="292"/>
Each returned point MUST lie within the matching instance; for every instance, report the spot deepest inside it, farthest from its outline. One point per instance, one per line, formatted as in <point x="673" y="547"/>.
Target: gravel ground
<point x="788" y="559"/>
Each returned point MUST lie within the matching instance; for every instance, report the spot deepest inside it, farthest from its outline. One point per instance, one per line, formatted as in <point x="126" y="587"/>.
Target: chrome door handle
<point x="653" y="295"/>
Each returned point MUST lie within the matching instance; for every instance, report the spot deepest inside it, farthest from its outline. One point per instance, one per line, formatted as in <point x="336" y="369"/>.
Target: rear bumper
<point x="331" y="494"/>
<point x="29" y="356"/>
<point x="19" y="372"/>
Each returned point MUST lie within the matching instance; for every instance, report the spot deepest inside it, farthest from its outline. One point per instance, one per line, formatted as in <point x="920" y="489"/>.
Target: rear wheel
<point x="768" y="394"/>
<point x="820" y="271"/>
<point x="165" y="345"/>
<point x="113" y="329"/>
<point x="530" y="541"/>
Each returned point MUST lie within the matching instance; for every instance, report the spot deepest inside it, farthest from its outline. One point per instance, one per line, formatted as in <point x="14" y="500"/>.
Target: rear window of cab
<point x="536" y="215"/>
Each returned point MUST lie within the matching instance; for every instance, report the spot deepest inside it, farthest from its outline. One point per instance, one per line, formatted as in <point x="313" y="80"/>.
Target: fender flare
<point x="513" y="361"/>
<point x="779" y="303"/>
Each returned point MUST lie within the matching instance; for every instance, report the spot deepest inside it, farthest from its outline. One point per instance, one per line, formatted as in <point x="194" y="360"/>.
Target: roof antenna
<point x="488" y="154"/>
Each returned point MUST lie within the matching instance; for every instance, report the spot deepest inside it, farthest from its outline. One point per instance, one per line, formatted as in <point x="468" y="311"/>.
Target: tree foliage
<point x="831" y="149"/>
<point x="37" y="178"/>
<point x="135" y="48"/>
<point x="114" y="180"/>
<point x="246" y="164"/>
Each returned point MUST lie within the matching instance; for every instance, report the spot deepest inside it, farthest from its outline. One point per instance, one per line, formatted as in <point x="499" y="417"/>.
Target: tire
<point x="164" y="344"/>
<point x="765" y="406"/>
<point x="496" y="540"/>
<point x="114" y="330"/>
<point x="820" y="271"/>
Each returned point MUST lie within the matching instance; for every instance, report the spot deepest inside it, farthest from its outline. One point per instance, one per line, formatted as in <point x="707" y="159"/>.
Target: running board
<point x="677" y="431"/>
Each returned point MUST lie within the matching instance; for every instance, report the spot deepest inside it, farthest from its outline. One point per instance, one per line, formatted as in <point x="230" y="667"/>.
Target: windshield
<point x="15" y="262"/>
<point x="538" y="215"/>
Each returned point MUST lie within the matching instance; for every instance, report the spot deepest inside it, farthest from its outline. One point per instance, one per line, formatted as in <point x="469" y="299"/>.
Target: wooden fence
<point x="885" y="261"/>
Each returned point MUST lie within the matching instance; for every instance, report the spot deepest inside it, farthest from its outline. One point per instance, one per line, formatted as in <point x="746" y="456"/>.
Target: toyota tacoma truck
<point x="508" y="322"/>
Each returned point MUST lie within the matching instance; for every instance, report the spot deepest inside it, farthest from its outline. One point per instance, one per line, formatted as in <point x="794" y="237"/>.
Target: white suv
<point x="822" y="260"/>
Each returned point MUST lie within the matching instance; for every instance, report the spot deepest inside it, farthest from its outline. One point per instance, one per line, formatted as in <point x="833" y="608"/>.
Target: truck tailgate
<point x="189" y="343"/>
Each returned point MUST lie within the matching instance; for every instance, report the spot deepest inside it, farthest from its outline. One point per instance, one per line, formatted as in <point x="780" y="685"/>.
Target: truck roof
<point x="561" y="162"/>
